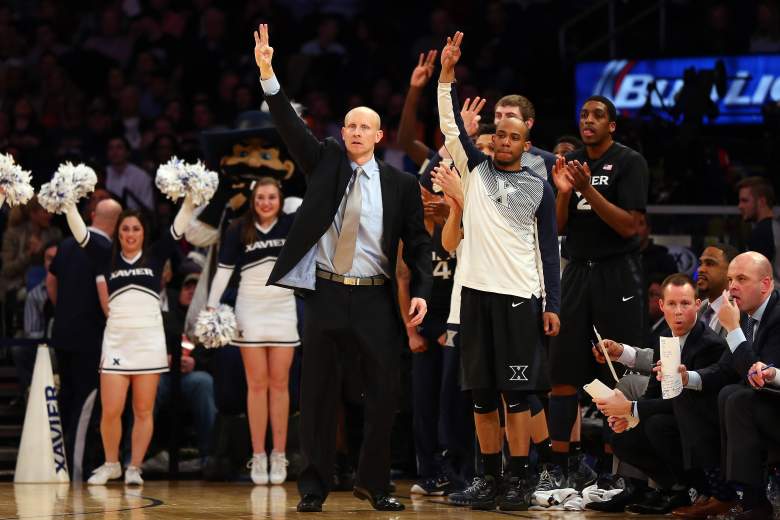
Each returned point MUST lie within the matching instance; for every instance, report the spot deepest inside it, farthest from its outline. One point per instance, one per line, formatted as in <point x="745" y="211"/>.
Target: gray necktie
<point x="748" y="324"/>
<point x="345" y="246"/>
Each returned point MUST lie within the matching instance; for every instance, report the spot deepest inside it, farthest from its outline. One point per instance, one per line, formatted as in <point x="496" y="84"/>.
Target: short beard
<point x="504" y="164"/>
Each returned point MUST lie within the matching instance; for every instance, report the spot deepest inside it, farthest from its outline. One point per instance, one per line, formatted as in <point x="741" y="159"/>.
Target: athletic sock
<point x="544" y="451"/>
<point x="491" y="464"/>
<point x="518" y="466"/>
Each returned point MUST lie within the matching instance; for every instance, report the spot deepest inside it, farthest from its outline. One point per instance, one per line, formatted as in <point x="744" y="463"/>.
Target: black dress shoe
<point x="660" y="502"/>
<point x="380" y="501"/>
<point x="310" y="504"/>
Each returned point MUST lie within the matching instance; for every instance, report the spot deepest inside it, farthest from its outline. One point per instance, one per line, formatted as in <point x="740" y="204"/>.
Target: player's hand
<point x="417" y="343"/>
<point x="561" y="180"/>
<point x="552" y="324"/>
<point x="613" y="348"/>
<point x="618" y="424"/>
<point x="417" y="311"/>
<point x="449" y="181"/>
<point x="442" y="340"/>
<point x="422" y="73"/>
<point x="450" y="55"/>
<point x="264" y="53"/>
<point x="470" y="114"/>
<point x="578" y="175"/>
<point x="437" y="210"/>
<point x="728" y="314"/>
<point x="760" y="374"/>
<point x="616" y="404"/>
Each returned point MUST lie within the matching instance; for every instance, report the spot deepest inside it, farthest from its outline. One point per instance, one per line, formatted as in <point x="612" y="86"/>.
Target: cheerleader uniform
<point x="134" y="338"/>
<point x="265" y="315"/>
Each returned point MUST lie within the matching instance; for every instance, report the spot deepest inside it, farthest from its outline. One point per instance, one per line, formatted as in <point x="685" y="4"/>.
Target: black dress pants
<point x="749" y="426"/>
<point x="653" y="446"/>
<point x="342" y="320"/>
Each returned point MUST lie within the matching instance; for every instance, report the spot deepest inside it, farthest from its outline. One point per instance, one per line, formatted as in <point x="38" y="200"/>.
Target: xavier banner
<point x="748" y="83"/>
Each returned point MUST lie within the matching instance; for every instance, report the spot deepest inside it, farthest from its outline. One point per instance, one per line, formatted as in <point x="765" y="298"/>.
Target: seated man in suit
<point x="751" y="429"/>
<point x="752" y="323"/>
<point x="654" y="446"/>
<point x="712" y="281"/>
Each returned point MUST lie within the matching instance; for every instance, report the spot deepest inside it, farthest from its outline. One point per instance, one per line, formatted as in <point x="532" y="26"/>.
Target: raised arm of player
<point x="464" y="154"/>
<point x="422" y="73"/>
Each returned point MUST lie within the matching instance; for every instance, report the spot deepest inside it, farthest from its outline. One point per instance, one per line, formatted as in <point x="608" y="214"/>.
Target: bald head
<point x="750" y="280"/>
<point x="362" y="113"/>
<point x="106" y="214"/>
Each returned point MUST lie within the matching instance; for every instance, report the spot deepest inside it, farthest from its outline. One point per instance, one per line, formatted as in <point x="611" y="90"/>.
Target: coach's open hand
<point x="264" y="53"/>
<point x="552" y="324"/>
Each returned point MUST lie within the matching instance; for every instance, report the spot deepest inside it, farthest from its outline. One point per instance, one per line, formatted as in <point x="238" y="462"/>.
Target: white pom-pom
<point x="216" y="328"/>
<point x="15" y="181"/>
<point x="68" y="184"/>
<point x="177" y="178"/>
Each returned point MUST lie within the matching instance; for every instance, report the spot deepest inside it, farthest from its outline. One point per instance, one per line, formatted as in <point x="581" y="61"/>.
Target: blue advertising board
<point x="751" y="82"/>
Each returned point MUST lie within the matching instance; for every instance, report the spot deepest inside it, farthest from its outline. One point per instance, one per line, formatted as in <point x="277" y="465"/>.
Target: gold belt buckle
<point x="349" y="280"/>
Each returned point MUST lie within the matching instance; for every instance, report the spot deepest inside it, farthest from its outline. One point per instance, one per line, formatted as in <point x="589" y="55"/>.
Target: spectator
<point x="125" y="180"/>
<point x="766" y="37"/>
<point x="756" y="198"/>
<point x="566" y="144"/>
<point x="111" y="42"/>
<point x="197" y="385"/>
<point x="29" y="228"/>
<point x="326" y="40"/>
<point x="655" y="259"/>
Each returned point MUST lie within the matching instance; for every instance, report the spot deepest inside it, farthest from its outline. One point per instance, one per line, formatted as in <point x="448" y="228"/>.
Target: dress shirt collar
<point x="716" y="303"/>
<point x="761" y="308"/>
<point x="684" y="338"/>
<point x="371" y="167"/>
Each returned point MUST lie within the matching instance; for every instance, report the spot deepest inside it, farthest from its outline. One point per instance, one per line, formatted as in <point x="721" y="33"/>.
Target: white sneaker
<point x="259" y="466"/>
<point x="279" y="465"/>
<point x="106" y="472"/>
<point x="133" y="476"/>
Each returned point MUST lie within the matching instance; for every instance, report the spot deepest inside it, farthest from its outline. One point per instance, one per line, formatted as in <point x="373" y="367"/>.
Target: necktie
<point x="707" y="315"/>
<point x="345" y="246"/>
<point x="748" y="324"/>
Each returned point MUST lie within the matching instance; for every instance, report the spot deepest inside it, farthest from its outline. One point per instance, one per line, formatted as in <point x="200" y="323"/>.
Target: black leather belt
<point x="352" y="280"/>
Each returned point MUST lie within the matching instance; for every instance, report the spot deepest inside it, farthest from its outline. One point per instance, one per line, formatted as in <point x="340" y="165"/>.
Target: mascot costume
<point x="241" y="155"/>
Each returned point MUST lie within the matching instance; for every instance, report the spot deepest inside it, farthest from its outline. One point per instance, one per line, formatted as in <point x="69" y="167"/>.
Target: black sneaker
<point x="516" y="495"/>
<point x="481" y="494"/>
<point x="550" y="478"/>
<point x="580" y="474"/>
<point x="432" y="487"/>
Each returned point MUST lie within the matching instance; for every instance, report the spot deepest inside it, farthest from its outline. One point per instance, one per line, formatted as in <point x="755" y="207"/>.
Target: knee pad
<point x="516" y="402"/>
<point x="535" y="403"/>
<point x="485" y="400"/>
<point x="563" y="414"/>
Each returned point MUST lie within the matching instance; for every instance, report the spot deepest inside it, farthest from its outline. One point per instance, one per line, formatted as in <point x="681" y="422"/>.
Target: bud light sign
<point x="738" y="86"/>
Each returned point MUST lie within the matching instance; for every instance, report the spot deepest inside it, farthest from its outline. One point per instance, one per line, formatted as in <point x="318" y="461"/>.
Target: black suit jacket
<point x="327" y="169"/>
<point x="702" y="348"/>
<point x="734" y="367"/>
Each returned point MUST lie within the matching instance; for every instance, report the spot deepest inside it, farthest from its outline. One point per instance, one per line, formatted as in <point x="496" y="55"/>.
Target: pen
<point x="770" y="365"/>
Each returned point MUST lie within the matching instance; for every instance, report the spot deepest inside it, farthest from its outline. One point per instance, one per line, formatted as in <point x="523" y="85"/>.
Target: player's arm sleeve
<point x="633" y="185"/>
<point x="464" y="154"/>
<point x="549" y="254"/>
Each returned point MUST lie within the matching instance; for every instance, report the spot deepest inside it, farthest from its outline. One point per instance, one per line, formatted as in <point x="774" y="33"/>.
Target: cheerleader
<point x="133" y="353"/>
<point x="267" y="322"/>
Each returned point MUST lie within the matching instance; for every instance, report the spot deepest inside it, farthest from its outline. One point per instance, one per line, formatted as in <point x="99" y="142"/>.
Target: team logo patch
<point x="518" y="373"/>
<point x="504" y="190"/>
<point x="116" y="362"/>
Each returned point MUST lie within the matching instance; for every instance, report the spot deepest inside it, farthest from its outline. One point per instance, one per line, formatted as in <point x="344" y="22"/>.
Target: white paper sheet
<point x="671" y="379"/>
<point x="598" y="390"/>
<point x="606" y="355"/>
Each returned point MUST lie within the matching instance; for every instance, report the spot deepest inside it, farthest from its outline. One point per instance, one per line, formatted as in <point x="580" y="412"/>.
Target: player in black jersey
<point x="442" y="426"/>
<point x="602" y="188"/>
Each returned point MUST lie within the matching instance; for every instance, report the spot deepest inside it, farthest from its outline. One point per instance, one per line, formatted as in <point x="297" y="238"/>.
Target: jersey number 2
<point x="583" y="204"/>
<point x="442" y="270"/>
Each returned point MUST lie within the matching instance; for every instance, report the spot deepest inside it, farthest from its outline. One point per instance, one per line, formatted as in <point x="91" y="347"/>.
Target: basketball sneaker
<point x="481" y="494"/>
<point x="106" y="472"/>
<point x="133" y="476"/>
<point x="279" y="465"/>
<point x="258" y="465"/>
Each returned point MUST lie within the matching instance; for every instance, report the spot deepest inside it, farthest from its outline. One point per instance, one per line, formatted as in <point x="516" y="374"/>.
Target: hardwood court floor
<point x="196" y="500"/>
